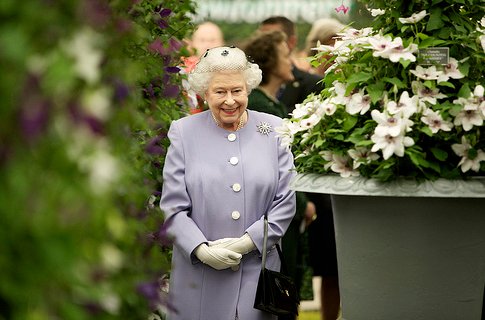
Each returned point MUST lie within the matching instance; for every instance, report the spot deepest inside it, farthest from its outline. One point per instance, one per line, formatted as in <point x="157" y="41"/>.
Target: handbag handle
<point x="265" y="250"/>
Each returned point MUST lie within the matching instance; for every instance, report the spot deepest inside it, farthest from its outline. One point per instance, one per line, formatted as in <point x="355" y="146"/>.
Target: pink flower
<point x="342" y="8"/>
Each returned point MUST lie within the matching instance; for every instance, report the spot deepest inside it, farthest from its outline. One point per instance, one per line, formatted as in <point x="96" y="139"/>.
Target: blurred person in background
<point x="304" y="83"/>
<point x="271" y="52"/>
<point x="217" y="186"/>
<point x="323" y="32"/>
<point x="206" y="35"/>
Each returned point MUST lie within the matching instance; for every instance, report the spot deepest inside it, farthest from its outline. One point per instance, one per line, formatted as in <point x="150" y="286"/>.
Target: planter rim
<point x="359" y="186"/>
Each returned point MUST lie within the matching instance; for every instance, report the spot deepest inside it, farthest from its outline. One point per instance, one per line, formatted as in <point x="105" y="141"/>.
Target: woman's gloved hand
<point x="217" y="257"/>
<point x="240" y="245"/>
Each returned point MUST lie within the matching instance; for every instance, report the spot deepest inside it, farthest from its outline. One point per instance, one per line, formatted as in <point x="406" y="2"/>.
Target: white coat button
<point x="231" y="137"/>
<point x="235" y="215"/>
<point x="236" y="187"/>
<point x="234" y="160"/>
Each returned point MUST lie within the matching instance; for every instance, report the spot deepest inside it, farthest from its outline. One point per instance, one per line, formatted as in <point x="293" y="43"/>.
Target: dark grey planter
<point x="407" y="250"/>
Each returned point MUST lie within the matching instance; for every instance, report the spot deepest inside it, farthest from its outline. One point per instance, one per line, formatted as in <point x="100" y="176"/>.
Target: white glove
<point x="217" y="258"/>
<point x="241" y="245"/>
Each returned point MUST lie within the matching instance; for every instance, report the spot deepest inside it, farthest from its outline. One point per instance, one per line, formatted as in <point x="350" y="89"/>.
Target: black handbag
<point x="276" y="292"/>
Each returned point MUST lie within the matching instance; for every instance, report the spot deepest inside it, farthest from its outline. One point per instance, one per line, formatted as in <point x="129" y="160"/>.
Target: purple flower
<point x="164" y="12"/>
<point x="153" y="146"/>
<point x="171" y="91"/>
<point x="172" y="69"/>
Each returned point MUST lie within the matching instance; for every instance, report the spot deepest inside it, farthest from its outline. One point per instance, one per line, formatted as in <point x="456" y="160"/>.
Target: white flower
<point x="377" y="12"/>
<point x="362" y="155"/>
<point x="328" y="107"/>
<point x="341" y="165"/>
<point x="339" y="93"/>
<point x="392" y="49"/>
<point x="468" y="119"/>
<point x="352" y="34"/>
<point x="415" y="17"/>
<point x="451" y="71"/>
<point x="310" y="122"/>
<point x="359" y="103"/>
<point x="406" y="107"/>
<point x="435" y="122"/>
<point x="381" y="45"/>
<point x="466" y="163"/>
<point x="111" y="257"/>
<point x="390" y="145"/>
<point x="327" y="156"/>
<point x="482" y="41"/>
<point x="287" y="131"/>
<point x="84" y="49"/>
<point x="399" y="52"/>
<point x="427" y="73"/>
<point x="390" y="125"/>
<point x="97" y="103"/>
<point x="426" y="94"/>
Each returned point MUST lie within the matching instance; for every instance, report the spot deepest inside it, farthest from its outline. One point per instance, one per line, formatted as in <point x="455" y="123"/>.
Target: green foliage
<point x="88" y="91"/>
<point x="377" y="82"/>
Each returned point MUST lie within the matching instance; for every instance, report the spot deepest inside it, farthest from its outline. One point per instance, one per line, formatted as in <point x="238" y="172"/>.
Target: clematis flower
<point x="435" y="122"/>
<point x="406" y="106"/>
<point x="362" y="155"/>
<point x="381" y="45"/>
<point x="359" y="103"/>
<point x="310" y="122"/>
<point x="399" y="52"/>
<point x="390" y="145"/>
<point x="389" y="124"/>
<point x="342" y="8"/>
<point x="328" y="107"/>
<point x="466" y="163"/>
<point x="342" y="165"/>
<point x="426" y="94"/>
<point x="427" y="73"/>
<point x="451" y="71"/>
<point x="482" y="41"/>
<point x="468" y="118"/>
<point x="415" y="17"/>
<point x="377" y="12"/>
<point x="339" y="96"/>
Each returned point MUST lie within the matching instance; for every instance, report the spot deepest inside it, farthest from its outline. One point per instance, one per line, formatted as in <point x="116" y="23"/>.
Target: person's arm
<point x="175" y="201"/>
<point x="283" y="205"/>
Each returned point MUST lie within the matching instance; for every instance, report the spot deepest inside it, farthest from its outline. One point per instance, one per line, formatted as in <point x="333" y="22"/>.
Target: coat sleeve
<point x="282" y="207"/>
<point x="175" y="201"/>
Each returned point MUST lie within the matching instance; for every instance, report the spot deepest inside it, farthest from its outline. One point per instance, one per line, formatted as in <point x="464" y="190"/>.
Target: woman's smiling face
<point x="227" y="97"/>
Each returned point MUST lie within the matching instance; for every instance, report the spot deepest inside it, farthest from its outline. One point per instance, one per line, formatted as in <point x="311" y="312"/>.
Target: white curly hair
<point x="222" y="59"/>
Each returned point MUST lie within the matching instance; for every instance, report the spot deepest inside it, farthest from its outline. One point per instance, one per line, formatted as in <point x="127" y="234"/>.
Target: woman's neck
<point x="271" y="89"/>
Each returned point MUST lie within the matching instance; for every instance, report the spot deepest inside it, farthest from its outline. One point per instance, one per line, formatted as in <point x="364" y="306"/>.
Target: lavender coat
<point x="202" y="202"/>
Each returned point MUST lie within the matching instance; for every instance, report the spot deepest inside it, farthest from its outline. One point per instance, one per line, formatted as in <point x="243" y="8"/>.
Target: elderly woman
<point x="224" y="170"/>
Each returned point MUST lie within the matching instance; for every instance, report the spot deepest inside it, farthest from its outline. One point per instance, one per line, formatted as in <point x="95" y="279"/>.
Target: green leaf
<point x="446" y="84"/>
<point x="426" y="130"/>
<point x="376" y="91"/>
<point x="404" y="63"/>
<point x="439" y="154"/>
<point x="349" y="122"/>
<point x="395" y="81"/>
<point x="359" y="77"/>
<point x="464" y="91"/>
<point x="435" y="21"/>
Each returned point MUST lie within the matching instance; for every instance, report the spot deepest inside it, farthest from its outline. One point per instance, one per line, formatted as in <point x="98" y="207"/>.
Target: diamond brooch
<point x="264" y="128"/>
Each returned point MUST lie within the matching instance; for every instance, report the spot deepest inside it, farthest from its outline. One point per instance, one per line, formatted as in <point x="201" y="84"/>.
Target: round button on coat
<point x="234" y="160"/>
<point x="236" y="187"/>
<point x="231" y="137"/>
<point x="235" y="215"/>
